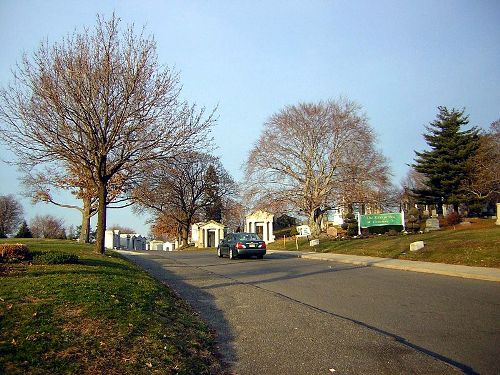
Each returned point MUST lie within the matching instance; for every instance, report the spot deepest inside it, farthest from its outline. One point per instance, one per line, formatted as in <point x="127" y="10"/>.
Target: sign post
<point x="303" y="231"/>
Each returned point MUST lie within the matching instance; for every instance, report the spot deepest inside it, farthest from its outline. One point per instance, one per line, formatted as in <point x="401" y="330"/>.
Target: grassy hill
<point x="102" y="315"/>
<point x="477" y="244"/>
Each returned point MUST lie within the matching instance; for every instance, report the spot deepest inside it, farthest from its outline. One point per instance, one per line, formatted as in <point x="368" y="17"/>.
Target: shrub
<point x="385" y="229"/>
<point x="350" y="225"/>
<point x="453" y="219"/>
<point x="14" y="252"/>
<point x="414" y="220"/>
<point x="56" y="258"/>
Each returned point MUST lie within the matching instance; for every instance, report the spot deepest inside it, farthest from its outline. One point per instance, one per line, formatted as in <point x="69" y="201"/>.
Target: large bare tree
<point x="316" y="156"/>
<point x="177" y="193"/>
<point x="99" y="100"/>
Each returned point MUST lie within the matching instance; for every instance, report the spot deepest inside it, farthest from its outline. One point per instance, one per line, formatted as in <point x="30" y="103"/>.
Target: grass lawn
<point x="477" y="244"/>
<point x="103" y="315"/>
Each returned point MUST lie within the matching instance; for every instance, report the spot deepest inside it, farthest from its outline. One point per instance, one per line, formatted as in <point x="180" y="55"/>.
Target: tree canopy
<point x="444" y="165"/>
<point x="179" y="194"/>
<point x="100" y="102"/>
<point x="312" y="157"/>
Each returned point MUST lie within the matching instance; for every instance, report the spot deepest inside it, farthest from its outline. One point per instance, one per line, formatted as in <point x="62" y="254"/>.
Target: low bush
<point x="14" y="252"/>
<point x="386" y="229"/>
<point x="56" y="258"/>
<point x="453" y="219"/>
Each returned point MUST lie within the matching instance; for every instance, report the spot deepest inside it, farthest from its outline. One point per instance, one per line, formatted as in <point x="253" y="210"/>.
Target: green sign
<point x="378" y="220"/>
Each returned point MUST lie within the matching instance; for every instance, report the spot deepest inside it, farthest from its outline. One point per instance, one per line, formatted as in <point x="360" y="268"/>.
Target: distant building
<point x="113" y="239"/>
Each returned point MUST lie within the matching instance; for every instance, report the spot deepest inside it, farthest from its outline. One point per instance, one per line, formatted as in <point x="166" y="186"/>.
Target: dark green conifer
<point x="212" y="197"/>
<point x="445" y="164"/>
<point x="24" y="231"/>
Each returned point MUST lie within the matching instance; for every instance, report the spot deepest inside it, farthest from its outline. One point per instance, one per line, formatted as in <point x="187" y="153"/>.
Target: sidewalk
<point x="478" y="273"/>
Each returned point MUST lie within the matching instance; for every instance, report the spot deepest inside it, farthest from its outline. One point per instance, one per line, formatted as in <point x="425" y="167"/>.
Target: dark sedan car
<point x="241" y="244"/>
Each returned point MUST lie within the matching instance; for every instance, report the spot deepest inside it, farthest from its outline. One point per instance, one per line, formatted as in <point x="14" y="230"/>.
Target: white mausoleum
<point x="260" y="222"/>
<point x="161" y="245"/>
<point x="208" y="234"/>
<point x="113" y="239"/>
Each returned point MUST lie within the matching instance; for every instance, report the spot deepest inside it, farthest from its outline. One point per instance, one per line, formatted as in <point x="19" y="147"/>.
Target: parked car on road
<point x="237" y="245"/>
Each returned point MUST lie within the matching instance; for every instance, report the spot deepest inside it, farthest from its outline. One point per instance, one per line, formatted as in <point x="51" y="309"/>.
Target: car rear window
<point x="247" y="237"/>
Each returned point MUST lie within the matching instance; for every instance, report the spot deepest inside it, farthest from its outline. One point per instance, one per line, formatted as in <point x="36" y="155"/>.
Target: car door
<point x="224" y="245"/>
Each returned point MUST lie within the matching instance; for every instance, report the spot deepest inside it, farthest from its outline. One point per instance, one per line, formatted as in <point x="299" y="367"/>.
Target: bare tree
<point x="11" y="214"/>
<point x="99" y="101"/>
<point x="314" y="157"/>
<point x="413" y="181"/>
<point x="483" y="180"/>
<point x="177" y="192"/>
<point x="47" y="226"/>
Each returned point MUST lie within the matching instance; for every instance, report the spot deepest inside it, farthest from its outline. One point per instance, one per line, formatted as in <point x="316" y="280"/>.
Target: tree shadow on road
<point x="201" y="301"/>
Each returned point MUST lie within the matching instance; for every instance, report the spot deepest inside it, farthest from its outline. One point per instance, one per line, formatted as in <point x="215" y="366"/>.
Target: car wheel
<point x="231" y="254"/>
<point x="260" y="256"/>
<point x="219" y="254"/>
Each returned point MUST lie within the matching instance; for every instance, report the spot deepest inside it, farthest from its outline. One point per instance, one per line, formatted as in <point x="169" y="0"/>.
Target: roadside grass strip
<point x="100" y="315"/>
<point x="475" y="245"/>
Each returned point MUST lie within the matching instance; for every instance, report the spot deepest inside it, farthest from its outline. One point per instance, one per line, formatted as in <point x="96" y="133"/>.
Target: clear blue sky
<point x="398" y="59"/>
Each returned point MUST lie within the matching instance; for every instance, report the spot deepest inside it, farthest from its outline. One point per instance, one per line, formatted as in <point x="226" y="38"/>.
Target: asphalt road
<point x="286" y="315"/>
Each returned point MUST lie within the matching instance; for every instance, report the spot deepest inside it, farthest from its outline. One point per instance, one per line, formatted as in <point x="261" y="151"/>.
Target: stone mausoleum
<point x="208" y="234"/>
<point x="260" y="222"/>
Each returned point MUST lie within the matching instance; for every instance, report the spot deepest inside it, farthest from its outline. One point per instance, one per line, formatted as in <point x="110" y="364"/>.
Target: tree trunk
<point x="101" y="217"/>
<point x="85" y="230"/>
<point x="184" y="235"/>
<point x="315" y="223"/>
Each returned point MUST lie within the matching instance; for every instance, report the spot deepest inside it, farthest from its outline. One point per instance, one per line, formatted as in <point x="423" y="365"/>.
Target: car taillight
<point x="239" y="245"/>
<point x="263" y="245"/>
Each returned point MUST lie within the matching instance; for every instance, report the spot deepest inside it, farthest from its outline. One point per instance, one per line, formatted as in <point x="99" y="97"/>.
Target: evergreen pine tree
<point x="24" y="231"/>
<point x="213" y="201"/>
<point x="445" y="164"/>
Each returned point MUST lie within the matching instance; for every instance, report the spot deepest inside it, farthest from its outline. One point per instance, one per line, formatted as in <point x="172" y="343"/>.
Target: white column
<point x="264" y="232"/>
<point x="271" y="234"/>
<point x="498" y="214"/>
<point x="217" y="235"/>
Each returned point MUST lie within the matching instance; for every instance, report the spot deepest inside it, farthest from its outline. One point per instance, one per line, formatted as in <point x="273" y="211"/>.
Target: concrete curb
<point x="467" y="272"/>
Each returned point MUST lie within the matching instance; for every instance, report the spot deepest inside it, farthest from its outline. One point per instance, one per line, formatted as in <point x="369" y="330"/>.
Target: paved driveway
<point x="292" y="316"/>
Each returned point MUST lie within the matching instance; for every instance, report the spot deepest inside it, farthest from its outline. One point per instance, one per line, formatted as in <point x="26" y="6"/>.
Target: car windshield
<point x="246" y="237"/>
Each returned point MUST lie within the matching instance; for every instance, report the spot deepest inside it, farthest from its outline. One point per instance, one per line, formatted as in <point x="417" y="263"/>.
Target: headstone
<point x="416" y="246"/>
<point x="498" y="214"/>
<point x="332" y="232"/>
<point x="431" y="224"/>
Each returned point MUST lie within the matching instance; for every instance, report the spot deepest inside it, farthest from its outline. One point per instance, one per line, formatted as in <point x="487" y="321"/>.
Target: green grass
<point x="474" y="245"/>
<point x="103" y="315"/>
